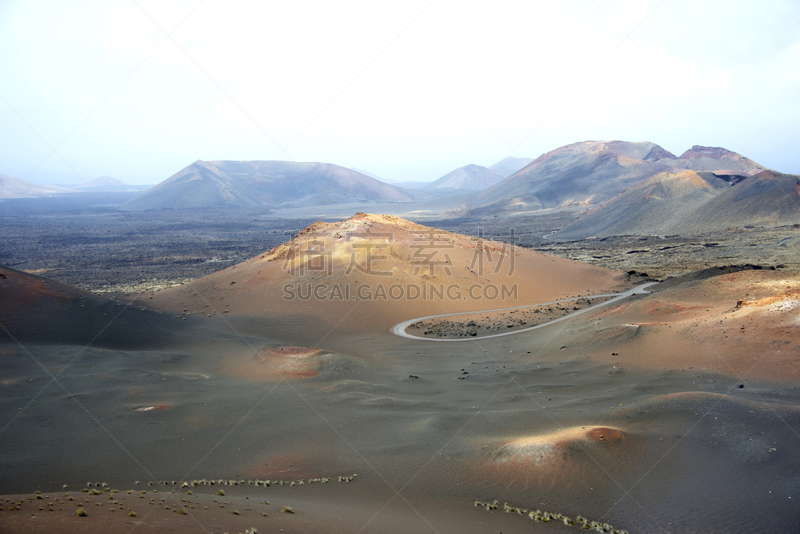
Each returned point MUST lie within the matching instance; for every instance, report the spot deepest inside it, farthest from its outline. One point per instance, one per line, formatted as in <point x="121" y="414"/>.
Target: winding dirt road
<point x="400" y="329"/>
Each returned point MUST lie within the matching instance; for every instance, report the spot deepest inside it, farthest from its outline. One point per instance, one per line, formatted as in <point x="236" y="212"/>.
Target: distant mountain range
<point x="643" y="189"/>
<point x="16" y="188"/>
<point x="285" y="184"/>
<point x="474" y="178"/>
<point x="628" y="188"/>
<point x="266" y="183"/>
<point x="467" y="178"/>
<point x="106" y="183"/>
<point x="591" y="172"/>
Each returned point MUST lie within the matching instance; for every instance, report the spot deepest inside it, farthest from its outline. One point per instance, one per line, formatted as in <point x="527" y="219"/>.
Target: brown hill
<point x="687" y="396"/>
<point x="738" y="322"/>
<point x="768" y="198"/>
<point x="370" y="272"/>
<point x="659" y="205"/>
<point x="40" y="311"/>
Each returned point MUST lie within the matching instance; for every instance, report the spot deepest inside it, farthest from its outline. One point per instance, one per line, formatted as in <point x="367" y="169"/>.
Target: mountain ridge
<point x="470" y="177"/>
<point x="589" y="173"/>
<point x="265" y="184"/>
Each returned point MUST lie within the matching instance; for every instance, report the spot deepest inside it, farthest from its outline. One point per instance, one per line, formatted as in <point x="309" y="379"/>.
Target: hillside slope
<point x="689" y="202"/>
<point x="370" y="272"/>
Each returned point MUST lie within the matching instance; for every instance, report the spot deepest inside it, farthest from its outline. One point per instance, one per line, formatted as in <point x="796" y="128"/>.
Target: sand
<point x="656" y="413"/>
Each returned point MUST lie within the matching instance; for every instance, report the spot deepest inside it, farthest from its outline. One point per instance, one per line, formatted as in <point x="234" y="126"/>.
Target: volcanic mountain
<point x="372" y="271"/>
<point x="509" y="165"/>
<point x="467" y="178"/>
<point x="15" y="188"/>
<point x="107" y="183"/>
<point x="265" y="183"/>
<point x="591" y="172"/>
<point x="688" y="202"/>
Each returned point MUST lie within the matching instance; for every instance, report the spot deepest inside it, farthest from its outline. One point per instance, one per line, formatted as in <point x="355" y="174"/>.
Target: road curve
<point x="400" y="329"/>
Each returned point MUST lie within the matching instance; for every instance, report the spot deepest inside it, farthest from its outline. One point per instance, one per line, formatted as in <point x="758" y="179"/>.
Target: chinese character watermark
<point x="314" y="258"/>
<point x="367" y="267"/>
<point x="483" y="252"/>
<point x="425" y="250"/>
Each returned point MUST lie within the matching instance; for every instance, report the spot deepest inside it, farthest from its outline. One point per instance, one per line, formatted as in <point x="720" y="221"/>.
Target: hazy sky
<point x="406" y="90"/>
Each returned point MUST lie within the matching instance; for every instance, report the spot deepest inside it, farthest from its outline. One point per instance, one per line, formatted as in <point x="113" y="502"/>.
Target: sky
<point x="138" y="89"/>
